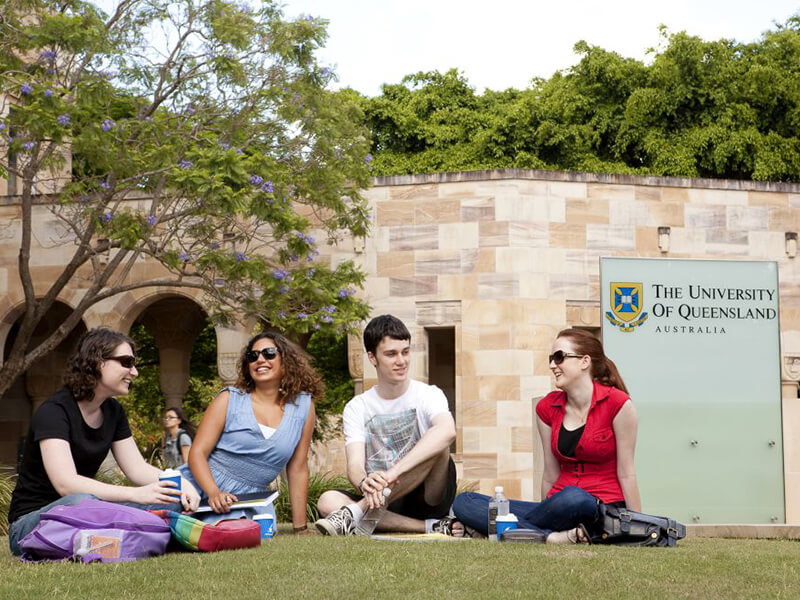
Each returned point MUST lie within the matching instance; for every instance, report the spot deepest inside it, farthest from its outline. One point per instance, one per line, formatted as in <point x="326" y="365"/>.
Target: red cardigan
<point x="594" y="467"/>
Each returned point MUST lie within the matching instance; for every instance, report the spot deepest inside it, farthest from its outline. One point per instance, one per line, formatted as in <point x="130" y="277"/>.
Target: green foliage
<point x="7" y="481"/>
<point x="203" y="137"/>
<point x="329" y="353"/>
<point x="698" y="109"/>
<point x="317" y="484"/>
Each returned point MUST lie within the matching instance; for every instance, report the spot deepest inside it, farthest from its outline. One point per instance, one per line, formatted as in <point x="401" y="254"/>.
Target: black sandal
<point x="445" y="526"/>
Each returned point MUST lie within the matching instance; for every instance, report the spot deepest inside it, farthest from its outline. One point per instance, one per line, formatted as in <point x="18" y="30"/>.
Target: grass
<point x="348" y="568"/>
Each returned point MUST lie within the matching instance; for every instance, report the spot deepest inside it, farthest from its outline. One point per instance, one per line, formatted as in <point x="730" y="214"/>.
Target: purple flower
<point x="104" y="185"/>
<point x="26" y="88"/>
<point x="48" y="93"/>
<point x="310" y="273"/>
<point x="279" y="274"/>
<point x="28" y="145"/>
<point x="47" y="55"/>
<point x="269" y="201"/>
<point x="152" y="220"/>
<point x="107" y="125"/>
<point x="184" y="257"/>
<point x="63" y="120"/>
<point x="106" y="217"/>
<point x="256" y="179"/>
<point x="241" y="256"/>
<point x="214" y="246"/>
<point x="345" y="292"/>
<point x="185" y="164"/>
<point x="2" y="126"/>
<point x="329" y="309"/>
<point x="325" y="71"/>
<point x="281" y="315"/>
<point x="327" y="319"/>
<point x="302" y="315"/>
<point x="294" y="257"/>
<point x="368" y="158"/>
<point x="268" y="187"/>
<point x="83" y="198"/>
<point x="284" y="289"/>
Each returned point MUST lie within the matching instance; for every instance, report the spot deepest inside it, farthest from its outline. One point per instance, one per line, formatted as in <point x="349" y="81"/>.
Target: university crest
<point x="626" y="306"/>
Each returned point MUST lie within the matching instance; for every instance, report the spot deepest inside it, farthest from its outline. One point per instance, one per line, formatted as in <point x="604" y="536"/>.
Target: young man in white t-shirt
<point x="397" y="436"/>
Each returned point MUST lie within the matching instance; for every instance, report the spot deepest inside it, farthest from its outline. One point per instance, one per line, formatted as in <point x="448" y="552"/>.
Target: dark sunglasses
<point x="559" y="355"/>
<point x="126" y="360"/>
<point x="268" y="354"/>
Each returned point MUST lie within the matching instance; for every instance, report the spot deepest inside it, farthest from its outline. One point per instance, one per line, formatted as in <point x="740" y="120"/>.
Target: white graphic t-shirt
<point x="390" y="428"/>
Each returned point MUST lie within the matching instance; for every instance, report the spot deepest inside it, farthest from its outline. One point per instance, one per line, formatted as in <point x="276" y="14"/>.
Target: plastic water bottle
<point x="371" y="518"/>
<point x="497" y="506"/>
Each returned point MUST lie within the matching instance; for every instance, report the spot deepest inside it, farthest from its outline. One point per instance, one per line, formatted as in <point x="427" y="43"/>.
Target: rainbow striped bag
<point x="198" y="536"/>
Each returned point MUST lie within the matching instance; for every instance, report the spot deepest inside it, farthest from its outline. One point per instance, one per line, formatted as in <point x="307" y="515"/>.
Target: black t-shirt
<point x="59" y="417"/>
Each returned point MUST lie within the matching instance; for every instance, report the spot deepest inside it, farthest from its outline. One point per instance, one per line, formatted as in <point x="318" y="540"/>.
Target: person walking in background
<point x="72" y="432"/>
<point x="588" y="433"/>
<point x="178" y="434"/>
<point x="250" y="432"/>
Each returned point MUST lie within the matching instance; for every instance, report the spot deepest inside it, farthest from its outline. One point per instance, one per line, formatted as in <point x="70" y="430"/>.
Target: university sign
<point x="679" y="308"/>
<point x="697" y="343"/>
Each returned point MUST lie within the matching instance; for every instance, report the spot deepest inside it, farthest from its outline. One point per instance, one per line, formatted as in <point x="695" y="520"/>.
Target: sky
<point x="499" y="44"/>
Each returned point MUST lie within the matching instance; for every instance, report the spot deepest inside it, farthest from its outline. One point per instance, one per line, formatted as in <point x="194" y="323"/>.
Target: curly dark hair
<point x="298" y="374"/>
<point x="83" y="367"/>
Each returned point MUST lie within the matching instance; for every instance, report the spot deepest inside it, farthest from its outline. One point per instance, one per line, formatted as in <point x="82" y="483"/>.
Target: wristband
<point x="299" y="529"/>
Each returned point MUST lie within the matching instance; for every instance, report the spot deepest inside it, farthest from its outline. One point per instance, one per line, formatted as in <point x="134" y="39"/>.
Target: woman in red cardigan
<point x="588" y="432"/>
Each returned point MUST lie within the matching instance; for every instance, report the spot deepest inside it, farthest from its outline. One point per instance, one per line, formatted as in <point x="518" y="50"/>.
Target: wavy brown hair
<point x="298" y="374"/>
<point x="83" y="367"/>
<point x="603" y="368"/>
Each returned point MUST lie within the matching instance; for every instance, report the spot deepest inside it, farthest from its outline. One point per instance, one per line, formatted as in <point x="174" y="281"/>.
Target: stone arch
<point x="40" y="381"/>
<point x="174" y="321"/>
<point x="230" y="340"/>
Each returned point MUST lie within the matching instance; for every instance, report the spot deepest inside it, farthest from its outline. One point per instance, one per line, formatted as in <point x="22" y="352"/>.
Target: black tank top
<point x="568" y="440"/>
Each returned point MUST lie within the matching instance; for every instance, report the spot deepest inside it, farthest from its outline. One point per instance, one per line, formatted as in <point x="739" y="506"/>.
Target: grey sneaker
<point x="339" y="522"/>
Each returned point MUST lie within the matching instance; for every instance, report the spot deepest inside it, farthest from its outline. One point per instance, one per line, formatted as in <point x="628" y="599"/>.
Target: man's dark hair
<point x="381" y="327"/>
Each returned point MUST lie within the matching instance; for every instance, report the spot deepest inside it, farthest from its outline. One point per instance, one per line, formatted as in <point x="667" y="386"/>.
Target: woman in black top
<point x="72" y="432"/>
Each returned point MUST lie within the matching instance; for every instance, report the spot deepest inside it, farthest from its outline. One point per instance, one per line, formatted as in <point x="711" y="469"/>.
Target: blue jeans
<point x="563" y="510"/>
<point x="27" y="523"/>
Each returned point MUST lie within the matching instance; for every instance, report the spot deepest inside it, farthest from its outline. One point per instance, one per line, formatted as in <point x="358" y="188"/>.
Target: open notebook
<point x="254" y="500"/>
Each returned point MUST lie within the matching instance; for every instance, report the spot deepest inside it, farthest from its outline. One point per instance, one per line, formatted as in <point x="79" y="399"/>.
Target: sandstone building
<point x="485" y="267"/>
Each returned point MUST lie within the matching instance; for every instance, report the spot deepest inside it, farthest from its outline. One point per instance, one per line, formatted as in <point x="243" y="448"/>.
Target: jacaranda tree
<point x="198" y="134"/>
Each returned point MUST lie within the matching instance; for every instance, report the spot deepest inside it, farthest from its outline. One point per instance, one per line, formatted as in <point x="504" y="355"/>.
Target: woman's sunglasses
<point x="126" y="360"/>
<point x="558" y="356"/>
<point x="268" y="354"/>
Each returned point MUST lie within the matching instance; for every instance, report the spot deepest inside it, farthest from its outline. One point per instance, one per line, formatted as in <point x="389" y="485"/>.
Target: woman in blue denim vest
<point x="250" y="432"/>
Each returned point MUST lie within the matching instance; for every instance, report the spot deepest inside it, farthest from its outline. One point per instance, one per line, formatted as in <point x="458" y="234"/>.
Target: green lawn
<point x="351" y="568"/>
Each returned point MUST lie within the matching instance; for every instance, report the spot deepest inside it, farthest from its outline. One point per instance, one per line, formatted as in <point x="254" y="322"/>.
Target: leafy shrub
<point x="7" y="481"/>
<point x="317" y="484"/>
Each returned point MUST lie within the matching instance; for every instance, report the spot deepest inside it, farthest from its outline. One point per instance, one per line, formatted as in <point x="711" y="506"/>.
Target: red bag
<point x="196" y="535"/>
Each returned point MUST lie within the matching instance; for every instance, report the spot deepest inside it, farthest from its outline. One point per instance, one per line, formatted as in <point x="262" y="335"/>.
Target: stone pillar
<point x="230" y="343"/>
<point x="175" y="324"/>
<point x="355" y="362"/>
<point x="44" y="378"/>
<point x="791" y="436"/>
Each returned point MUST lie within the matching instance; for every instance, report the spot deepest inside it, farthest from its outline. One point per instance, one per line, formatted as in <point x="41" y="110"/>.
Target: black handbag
<point x="625" y="527"/>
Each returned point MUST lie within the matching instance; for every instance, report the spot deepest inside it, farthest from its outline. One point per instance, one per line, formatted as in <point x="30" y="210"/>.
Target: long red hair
<point x="603" y="368"/>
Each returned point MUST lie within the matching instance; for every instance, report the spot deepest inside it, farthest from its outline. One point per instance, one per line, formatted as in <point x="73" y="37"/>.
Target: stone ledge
<point x="580" y="177"/>
<point x="766" y="531"/>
